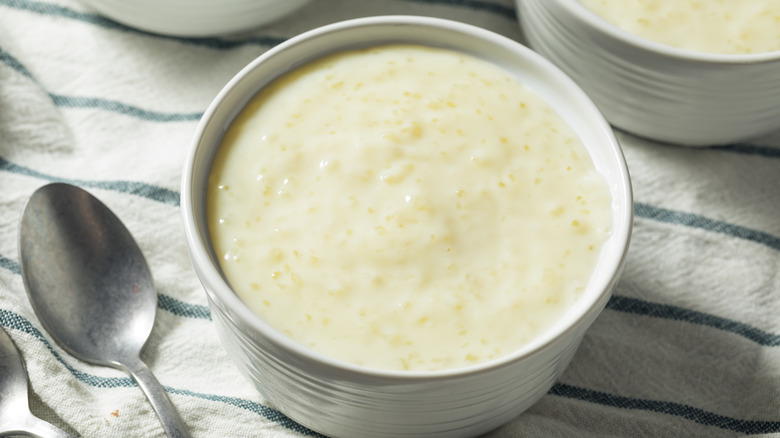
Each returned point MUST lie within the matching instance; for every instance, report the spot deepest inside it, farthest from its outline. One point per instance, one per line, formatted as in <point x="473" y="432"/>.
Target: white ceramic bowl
<point x="653" y="90"/>
<point x="344" y="400"/>
<point x="195" y="18"/>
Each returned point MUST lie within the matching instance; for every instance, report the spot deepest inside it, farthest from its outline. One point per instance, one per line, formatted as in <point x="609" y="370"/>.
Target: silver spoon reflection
<point x="90" y="286"/>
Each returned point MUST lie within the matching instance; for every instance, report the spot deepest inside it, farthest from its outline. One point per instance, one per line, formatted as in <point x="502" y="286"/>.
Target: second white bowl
<point x="652" y="90"/>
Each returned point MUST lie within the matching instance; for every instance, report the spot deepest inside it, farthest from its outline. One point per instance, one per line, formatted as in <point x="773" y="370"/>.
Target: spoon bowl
<point x="101" y="311"/>
<point x="90" y="286"/>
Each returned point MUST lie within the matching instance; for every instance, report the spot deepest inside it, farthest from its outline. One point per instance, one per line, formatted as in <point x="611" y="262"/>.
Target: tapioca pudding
<point x="406" y="208"/>
<point x="713" y="26"/>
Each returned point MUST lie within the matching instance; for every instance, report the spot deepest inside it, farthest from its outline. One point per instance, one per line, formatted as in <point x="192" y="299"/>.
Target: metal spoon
<point x="90" y="286"/>
<point x="15" y="415"/>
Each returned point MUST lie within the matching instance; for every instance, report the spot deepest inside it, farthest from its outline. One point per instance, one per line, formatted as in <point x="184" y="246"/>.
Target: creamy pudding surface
<point x="406" y="208"/>
<point x="713" y="26"/>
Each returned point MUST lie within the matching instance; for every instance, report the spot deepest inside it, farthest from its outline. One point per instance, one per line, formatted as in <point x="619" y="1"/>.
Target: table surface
<point x="689" y="345"/>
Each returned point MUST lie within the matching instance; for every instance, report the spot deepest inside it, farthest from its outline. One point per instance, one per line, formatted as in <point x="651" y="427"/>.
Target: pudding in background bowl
<point x="709" y="26"/>
<point x="695" y="73"/>
<point x="358" y="202"/>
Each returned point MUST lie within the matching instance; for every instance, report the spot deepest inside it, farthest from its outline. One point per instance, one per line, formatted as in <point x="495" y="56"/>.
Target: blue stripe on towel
<point x="679" y="410"/>
<point x="100" y="103"/>
<point x="148" y="191"/>
<point x="256" y="408"/>
<point x="14" y="63"/>
<point x="697" y="221"/>
<point x="665" y="311"/>
<point x="180" y="308"/>
<point x="100" y="21"/>
<point x="10" y="265"/>
<point x="122" y="108"/>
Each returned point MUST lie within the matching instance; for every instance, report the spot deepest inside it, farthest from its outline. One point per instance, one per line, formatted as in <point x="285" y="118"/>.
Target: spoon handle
<point x="171" y="421"/>
<point x="31" y="425"/>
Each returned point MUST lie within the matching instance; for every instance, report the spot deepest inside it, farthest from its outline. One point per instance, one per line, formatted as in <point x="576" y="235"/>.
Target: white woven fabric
<point x="688" y="346"/>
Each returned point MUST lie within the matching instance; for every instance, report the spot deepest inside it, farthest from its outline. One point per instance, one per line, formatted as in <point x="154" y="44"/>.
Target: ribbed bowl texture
<point x="652" y="90"/>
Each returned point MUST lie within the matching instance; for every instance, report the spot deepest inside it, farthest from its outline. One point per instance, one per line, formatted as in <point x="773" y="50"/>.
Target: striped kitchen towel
<point x="689" y="345"/>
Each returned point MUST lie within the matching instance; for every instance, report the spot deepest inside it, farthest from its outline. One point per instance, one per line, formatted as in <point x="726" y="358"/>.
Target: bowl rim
<point x="600" y="24"/>
<point x="211" y="278"/>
